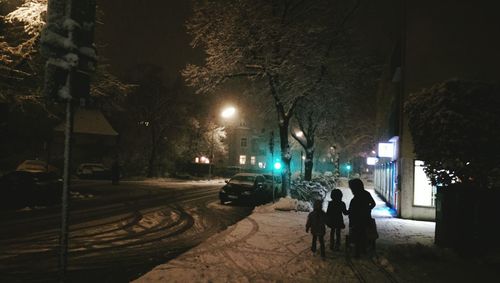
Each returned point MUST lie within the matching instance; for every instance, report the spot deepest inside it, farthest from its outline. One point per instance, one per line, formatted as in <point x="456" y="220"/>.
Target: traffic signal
<point x="277" y="165"/>
<point x="348" y="167"/>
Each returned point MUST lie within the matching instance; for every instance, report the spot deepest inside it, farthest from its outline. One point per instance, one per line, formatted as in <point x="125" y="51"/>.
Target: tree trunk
<point x="286" y="157"/>
<point x="152" y="155"/>
<point x="308" y="164"/>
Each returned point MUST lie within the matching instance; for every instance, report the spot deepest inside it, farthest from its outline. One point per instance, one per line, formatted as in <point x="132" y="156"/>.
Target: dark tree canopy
<point x="454" y="125"/>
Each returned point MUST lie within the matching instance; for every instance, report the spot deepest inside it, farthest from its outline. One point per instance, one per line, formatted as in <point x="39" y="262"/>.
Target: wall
<point x="444" y="39"/>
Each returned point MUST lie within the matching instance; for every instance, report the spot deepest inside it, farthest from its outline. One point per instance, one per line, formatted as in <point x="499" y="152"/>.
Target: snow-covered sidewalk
<point x="272" y="246"/>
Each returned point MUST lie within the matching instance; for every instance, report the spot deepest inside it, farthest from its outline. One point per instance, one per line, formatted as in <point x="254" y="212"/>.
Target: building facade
<point x="439" y="41"/>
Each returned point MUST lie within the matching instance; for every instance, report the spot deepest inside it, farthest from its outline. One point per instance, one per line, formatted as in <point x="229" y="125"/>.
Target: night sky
<point x="136" y="32"/>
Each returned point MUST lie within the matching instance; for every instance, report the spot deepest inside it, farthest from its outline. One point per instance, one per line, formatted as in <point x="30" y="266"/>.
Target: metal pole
<point x="271" y="147"/>
<point x="301" y="162"/>
<point x="211" y="156"/>
<point x="272" y="172"/>
<point x="68" y="133"/>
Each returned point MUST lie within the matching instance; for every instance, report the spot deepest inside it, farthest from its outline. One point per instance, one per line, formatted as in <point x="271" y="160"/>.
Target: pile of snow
<point x="304" y="206"/>
<point x="77" y="195"/>
<point x="284" y="204"/>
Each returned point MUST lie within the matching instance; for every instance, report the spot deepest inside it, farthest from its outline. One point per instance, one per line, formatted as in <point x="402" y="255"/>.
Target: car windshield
<point x="242" y="179"/>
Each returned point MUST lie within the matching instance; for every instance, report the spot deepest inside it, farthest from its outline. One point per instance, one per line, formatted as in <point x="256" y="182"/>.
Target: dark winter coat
<point x="360" y="209"/>
<point x="334" y="214"/>
<point x="316" y="221"/>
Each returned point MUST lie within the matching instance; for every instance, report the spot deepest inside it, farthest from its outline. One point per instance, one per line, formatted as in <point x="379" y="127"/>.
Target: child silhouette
<point x="335" y="220"/>
<point x="316" y="221"/>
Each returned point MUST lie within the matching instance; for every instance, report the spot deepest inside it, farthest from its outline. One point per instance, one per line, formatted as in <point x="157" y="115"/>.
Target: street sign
<point x="67" y="41"/>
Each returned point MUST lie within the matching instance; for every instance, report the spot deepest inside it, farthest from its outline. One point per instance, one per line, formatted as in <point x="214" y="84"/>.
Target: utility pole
<point x="301" y="163"/>
<point x="211" y="155"/>
<point x="67" y="43"/>
<point x="271" y="148"/>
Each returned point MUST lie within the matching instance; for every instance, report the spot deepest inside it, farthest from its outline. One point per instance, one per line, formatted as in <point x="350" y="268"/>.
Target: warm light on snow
<point x="31" y="15"/>
<point x="272" y="243"/>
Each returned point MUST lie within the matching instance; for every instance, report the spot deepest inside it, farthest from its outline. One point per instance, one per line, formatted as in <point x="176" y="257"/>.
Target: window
<point x="252" y="160"/>
<point x="243" y="142"/>
<point x="243" y="159"/>
<point x="423" y="191"/>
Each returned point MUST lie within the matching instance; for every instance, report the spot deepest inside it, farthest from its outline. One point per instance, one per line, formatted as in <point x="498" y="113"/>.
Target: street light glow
<point x="228" y="112"/>
<point x="299" y="134"/>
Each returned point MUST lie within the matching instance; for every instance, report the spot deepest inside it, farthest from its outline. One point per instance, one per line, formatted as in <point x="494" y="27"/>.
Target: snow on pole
<point x="67" y="42"/>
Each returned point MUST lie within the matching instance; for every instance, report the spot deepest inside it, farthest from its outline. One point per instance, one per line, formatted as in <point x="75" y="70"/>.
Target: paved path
<point x="272" y="246"/>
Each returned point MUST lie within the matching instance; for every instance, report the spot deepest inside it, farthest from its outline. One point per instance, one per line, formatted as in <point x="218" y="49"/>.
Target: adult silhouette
<point x="360" y="209"/>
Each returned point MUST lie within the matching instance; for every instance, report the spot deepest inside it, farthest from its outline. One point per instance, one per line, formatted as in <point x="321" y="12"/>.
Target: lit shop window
<point x="423" y="191"/>
<point x="243" y="159"/>
<point x="252" y="160"/>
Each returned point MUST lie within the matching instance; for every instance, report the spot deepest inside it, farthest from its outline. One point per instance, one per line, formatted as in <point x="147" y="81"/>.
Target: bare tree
<point x="308" y="117"/>
<point x="280" y="45"/>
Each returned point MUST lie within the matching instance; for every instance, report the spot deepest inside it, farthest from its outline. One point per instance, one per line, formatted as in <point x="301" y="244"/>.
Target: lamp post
<point x="226" y="113"/>
<point x="211" y="155"/>
<point x="301" y="162"/>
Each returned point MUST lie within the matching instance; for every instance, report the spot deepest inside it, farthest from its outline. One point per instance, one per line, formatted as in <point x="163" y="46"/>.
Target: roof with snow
<point x="89" y="121"/>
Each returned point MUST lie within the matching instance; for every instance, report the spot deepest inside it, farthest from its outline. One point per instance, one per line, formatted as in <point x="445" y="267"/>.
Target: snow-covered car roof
<point x="33" y="165"/>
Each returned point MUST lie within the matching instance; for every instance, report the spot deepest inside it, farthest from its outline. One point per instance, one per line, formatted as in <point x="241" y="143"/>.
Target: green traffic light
<point x="348" y="167"/>
<point x="277" y="165"/>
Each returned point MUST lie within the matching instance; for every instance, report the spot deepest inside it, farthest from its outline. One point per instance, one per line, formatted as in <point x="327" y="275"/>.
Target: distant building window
<point x="243" y="142"/>
<point x="252" y="160"/>
<point x="243" y="159"/>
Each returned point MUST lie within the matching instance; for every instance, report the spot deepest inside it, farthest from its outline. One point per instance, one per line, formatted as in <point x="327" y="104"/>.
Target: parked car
<point x="25" y="188"/>
<point x="93" y="171"/>
<point x="248" y="187"/>
<point x="35" y="166"/>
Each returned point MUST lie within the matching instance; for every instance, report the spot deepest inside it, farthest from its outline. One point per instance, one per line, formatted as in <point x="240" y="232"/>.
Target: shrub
<point x="312" y="190"/>
<point x="454" y="125"/>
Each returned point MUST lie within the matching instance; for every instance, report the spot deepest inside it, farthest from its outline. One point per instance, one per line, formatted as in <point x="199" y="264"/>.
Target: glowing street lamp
<point x="226" y="113"/>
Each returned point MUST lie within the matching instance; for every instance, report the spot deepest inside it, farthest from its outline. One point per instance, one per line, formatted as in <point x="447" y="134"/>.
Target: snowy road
<point x="117" y="233"/>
